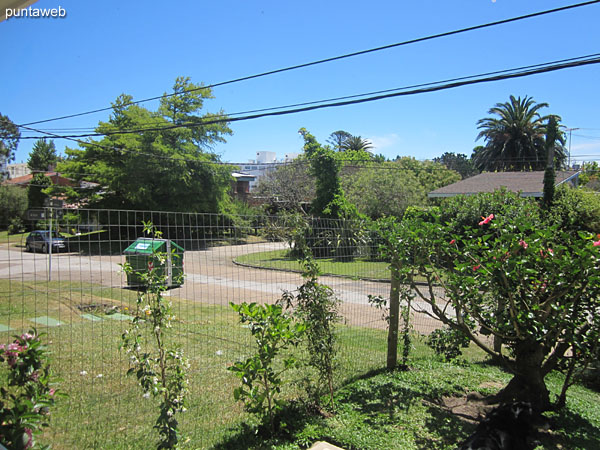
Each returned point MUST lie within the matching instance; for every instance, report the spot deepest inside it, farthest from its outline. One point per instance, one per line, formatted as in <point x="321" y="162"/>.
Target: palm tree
<point x="515" y="137"/>
<point x="337" y="139"/>
<point x="356" y="143"/>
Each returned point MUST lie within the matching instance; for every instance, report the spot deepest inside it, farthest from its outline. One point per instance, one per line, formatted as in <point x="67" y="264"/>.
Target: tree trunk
<point x="392" y="343"/>
<point x="528" y="382"/>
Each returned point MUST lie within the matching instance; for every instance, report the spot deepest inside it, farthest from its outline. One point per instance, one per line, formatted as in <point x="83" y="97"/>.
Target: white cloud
<point x="387" y="140"/>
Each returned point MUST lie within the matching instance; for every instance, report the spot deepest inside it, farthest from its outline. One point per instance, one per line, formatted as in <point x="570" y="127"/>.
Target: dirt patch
<point x="471" y="407"/>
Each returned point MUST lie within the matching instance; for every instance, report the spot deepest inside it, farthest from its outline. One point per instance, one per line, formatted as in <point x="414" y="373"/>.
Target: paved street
<point x="211" y="277"/>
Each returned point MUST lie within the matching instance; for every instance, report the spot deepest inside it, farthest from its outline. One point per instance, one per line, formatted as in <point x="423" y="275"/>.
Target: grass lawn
<point x="13" y="240"/>
<point x="279" y="259"/>
<point x="374" y="409"/>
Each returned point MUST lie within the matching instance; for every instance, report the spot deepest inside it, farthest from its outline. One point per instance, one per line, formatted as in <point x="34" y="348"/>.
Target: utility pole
<point x="570" y="130"/>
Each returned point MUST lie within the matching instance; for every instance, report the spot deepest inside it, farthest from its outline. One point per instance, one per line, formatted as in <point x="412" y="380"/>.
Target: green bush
<point x="13" y="204"/>
<point x="447" y="342"/>
<point x="576" y="209"/>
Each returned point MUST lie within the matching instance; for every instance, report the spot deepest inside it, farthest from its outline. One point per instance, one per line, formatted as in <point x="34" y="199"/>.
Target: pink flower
<point x="30" y="438"/>
<point x="523" y="244"/>
<point x="476" y="267"/>
<point x="551" y="252"/>
<point x="596" y="243"/>
<point x="27" y="336"/>
<point x="453" y="241"/>
<point x="486" y="220"/>
<point x="51" y="391"/>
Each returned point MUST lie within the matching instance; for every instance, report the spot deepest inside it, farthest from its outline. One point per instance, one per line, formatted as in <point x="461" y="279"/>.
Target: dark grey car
<point x="40" y="240"/>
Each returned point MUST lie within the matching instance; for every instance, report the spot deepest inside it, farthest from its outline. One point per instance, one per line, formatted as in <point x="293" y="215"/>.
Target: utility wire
<point x="345" y="97"/>
<point x="331" y="59"/>
<point x="549" y="67"/>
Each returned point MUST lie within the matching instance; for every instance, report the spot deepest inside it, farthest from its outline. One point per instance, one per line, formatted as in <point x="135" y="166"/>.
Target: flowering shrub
<point x="160" y="370"/>
<point x="26" y="400"/>
<point x="514" y="276"/>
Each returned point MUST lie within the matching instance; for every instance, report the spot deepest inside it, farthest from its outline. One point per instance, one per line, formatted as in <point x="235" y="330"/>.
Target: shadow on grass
<point x="291" y="424"/>
<point x="446" y="430"/>
<point x="571" y="430"/>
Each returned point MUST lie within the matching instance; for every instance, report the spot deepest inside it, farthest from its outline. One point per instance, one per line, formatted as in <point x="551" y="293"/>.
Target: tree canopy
<point x="515" y="274"/>
<point x="388" y="188"/>
<point x="289" y="186"/>
<point x="514" y="138"/>
<point x="9" y="139"/>
<point x="337" y="139"/>
<point x="356" y="143"/>
<point x="165" y="166"/>
<point x="459" y="162"/>
<point x="42" y="156"/>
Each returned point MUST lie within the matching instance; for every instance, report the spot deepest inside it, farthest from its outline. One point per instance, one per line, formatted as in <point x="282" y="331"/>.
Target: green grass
<point x="280" y="260"/>
<point x="375" y="409"/>
<point x="13" y="240"/>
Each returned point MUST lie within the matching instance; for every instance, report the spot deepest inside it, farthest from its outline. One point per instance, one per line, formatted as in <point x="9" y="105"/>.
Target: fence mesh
<point x="79" y="295"/>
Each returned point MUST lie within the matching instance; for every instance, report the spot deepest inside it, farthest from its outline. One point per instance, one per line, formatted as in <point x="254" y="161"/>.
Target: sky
<point x="99" y="50"/>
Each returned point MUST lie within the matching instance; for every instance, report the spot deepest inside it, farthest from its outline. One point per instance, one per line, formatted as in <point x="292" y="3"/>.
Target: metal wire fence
<point x="75" y="290"/>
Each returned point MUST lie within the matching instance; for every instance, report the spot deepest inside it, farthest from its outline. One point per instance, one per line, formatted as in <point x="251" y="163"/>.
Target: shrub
<point x="447" y="342"/>
<point x="26" y="400"/>
<point x="261" y="380"/>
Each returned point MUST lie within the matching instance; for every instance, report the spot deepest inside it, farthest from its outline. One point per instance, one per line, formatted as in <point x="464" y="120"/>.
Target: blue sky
<point x="53" y="67"/>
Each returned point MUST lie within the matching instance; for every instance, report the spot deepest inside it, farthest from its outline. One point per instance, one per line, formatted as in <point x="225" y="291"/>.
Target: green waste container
<point x="141" y="255"/>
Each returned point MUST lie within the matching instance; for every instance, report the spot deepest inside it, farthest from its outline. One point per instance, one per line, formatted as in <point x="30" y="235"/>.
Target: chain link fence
<point x="64" y="277"/>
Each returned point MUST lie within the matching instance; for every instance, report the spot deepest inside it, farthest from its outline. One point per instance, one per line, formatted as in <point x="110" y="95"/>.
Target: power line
<point x="544" y="68"/>
<point x="331" y="59"/>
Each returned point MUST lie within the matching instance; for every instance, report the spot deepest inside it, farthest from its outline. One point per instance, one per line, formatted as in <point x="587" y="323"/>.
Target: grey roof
<point x="530" y="184"/>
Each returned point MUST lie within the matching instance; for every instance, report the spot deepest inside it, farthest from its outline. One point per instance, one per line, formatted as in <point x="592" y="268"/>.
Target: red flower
<point x="476" y="267"/>
<point x="523" y="244"/>
<point x="453" y="241"/>
<point x="486" y="220"/>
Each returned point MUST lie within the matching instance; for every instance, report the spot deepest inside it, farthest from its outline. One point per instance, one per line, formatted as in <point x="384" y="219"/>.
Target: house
<point x="240" y="187"/>
<point x="55" y="178"/>
<point x="529" y="184"/>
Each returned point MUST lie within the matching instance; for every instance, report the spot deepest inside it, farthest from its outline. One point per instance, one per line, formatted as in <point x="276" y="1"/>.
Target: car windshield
<point x="54" y="234"/>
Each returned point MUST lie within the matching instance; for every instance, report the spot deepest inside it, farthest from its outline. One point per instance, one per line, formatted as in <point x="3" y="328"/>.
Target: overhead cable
<point x="331" y="59"/>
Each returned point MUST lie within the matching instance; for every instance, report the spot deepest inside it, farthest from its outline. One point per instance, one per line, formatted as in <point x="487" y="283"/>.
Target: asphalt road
<point x="211" y="277"/>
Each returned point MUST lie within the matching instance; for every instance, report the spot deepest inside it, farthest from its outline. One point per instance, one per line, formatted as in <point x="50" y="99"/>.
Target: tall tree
<point x="325" y="167"/>
<point x="42" y="156"/>
<point x="35" y="190"/>
<point x="515" y="137"/>
<point x="9" y="139"/>
<point x="552" y="133"/>
<point x="337" y="139"/>
<point x="289" y="186"/>
<point x="458" y="162"/>
<point x="356" y="143"/>
<point x="162" y="168"/>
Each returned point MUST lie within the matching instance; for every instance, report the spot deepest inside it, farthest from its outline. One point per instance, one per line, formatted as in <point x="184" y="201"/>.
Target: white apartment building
<point x="263" y="164"/>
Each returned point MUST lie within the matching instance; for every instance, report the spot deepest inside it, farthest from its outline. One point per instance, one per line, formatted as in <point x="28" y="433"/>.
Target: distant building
<point x="241" y="186"/>
<point x="264" y="163"/>
<point x="18" y="170"/>
<point x="55" y="178"/>
<point x="528" y="184"/>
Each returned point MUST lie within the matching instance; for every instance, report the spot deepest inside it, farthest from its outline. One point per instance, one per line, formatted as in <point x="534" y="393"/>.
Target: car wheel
<point x="44" y="248"/>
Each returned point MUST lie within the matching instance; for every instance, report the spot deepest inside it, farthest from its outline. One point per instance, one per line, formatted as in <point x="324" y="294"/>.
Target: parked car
<point x="41" y="240"/>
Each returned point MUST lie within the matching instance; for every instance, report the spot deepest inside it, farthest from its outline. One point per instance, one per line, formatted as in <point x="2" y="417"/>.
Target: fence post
<point x="392" y="344"/>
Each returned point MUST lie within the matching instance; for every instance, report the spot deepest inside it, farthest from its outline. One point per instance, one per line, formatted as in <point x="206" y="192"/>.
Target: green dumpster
<point x="141" y="255"/>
